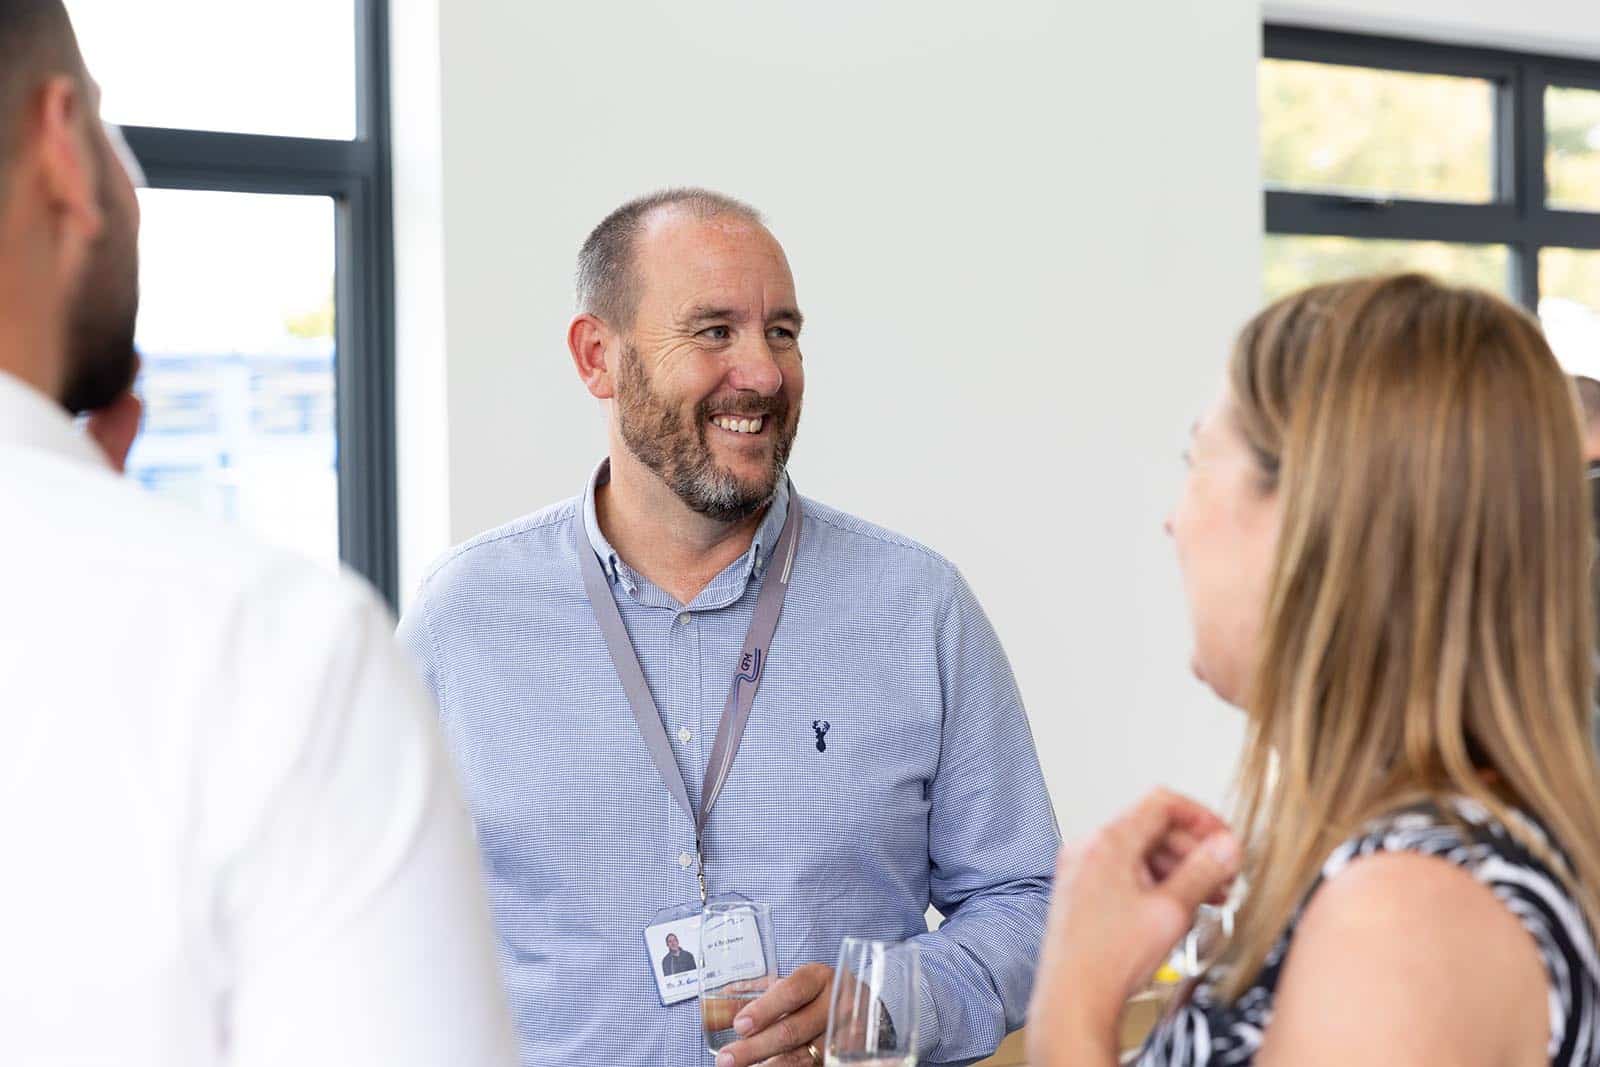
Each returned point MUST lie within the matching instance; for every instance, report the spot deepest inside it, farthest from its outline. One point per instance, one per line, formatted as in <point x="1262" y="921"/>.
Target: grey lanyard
<point x="741" y="694"/>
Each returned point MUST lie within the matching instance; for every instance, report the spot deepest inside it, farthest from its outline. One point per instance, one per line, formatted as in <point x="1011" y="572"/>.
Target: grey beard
<point x="679" y="455"/>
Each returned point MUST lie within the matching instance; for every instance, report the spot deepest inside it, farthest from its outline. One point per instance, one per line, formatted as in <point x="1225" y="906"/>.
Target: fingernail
<point x="743" y="1025"/>
<point x="1224" y="848"/>
<point x="725" y="1059"/>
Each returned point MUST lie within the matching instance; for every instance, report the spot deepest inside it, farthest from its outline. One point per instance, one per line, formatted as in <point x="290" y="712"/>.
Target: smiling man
<point x="690" y="681"/>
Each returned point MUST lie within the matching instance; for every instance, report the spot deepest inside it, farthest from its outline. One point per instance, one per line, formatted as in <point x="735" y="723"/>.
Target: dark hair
<point x="607" y="285"/>
<point x="36" y="42"/>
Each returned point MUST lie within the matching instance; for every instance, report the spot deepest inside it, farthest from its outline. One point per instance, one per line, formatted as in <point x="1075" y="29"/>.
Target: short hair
<point x="36" y="42"/>
<point x="1589" y="402"/>
<point x="607" y="284"/>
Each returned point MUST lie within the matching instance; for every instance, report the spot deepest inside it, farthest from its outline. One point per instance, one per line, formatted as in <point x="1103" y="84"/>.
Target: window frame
<point x="1517" y="217"/>
<point x="356" y="174"/>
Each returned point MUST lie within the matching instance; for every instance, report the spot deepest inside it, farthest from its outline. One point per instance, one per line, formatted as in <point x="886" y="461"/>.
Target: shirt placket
<point x="681" y="718"/>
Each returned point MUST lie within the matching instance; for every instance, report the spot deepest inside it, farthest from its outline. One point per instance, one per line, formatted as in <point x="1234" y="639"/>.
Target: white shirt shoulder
<point x="232" y="835"/>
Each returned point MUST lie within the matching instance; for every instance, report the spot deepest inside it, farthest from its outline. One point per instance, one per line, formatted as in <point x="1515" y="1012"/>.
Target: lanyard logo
<point x="749" y="671"/>
<point x="821" y="728"/>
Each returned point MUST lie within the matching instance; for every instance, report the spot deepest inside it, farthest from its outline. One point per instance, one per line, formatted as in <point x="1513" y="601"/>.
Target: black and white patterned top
<point x="1205" y="1032"/>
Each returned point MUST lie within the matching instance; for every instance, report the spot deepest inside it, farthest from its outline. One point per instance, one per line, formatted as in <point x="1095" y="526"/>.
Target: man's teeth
<point x="740" y="425"/>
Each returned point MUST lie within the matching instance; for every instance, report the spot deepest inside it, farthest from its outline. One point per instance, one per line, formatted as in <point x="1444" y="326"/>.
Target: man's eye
<point x="781" y="333"/>
<point x="716" y="333"/>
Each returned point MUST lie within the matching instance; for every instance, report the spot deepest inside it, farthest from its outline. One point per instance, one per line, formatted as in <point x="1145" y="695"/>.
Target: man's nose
<point x="754" y="368"/>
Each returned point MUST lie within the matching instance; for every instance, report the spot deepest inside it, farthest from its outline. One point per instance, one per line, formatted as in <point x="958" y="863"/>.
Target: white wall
<point x="1023" y="233"/>
<point x="422" y="442"/>
<point x="1562" y="27"/>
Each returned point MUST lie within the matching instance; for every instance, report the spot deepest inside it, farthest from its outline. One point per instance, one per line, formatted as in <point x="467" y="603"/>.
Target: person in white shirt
<point x="228" y="830"/>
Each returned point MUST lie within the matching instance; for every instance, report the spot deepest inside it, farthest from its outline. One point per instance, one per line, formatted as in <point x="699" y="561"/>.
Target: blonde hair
<point x="1428" y="629"/>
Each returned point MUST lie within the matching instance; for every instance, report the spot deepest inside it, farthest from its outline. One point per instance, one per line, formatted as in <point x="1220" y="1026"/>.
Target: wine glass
<point x="873" y="1012"/>
<point x="738" y="963"/>
<point x="1200" y="947"/>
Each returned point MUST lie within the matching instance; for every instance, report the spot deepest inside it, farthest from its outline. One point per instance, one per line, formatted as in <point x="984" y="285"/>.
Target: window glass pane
<point x="1572" y="152"/>
<point x="236" y="327"/>
<point x="1569" y="305"/>
<point x="1296" y="262"/>
<point x="1375" y="132"/>
<point x="286" y="67"/>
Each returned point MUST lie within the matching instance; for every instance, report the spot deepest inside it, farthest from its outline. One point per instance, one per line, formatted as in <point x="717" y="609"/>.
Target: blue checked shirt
<point x="928" y="789"/>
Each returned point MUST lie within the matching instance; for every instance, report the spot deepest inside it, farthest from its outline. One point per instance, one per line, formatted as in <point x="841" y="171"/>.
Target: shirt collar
<point x="753" y="562"/>
<point x="32" y="420"/>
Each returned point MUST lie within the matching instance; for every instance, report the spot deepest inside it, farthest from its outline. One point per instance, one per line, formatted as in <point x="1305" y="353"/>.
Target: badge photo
<point x="672" y="945"/>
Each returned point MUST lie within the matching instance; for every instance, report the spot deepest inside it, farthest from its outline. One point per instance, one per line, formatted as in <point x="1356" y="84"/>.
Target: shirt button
<point x="683" y="620"/>
<point x="685" y="734"/>
<point x="685" y="860"/>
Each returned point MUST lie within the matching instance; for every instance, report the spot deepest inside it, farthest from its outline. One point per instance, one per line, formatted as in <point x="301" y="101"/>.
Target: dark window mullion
<point x="237" y="162"/>
<point x="1568" y="229"/>
<point x="1570" y="74"/>
<point x="1314" y="214"/>
<point x="1386" y="53"/>
<point x="1527" y="161"/>
<point x="1508" y="179"/>
<point x="367" y="534"/>
<point x="1309" y="215"/>
<point x="368" y="478"/>
<point x="1525" y="274"/>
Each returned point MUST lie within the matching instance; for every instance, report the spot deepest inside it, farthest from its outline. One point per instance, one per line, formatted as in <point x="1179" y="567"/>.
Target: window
<point x="266" y="270"/>
<point x="239" y="350"/>
<point x="286" y="68"/>
<point x="1481" y="167"/>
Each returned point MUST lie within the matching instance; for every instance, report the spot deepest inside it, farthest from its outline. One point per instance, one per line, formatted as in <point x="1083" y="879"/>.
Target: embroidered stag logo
<point x="821" y="729"/>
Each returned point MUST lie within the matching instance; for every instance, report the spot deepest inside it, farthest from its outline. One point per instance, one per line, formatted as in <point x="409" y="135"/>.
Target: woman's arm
<point x="1405" y="959"/>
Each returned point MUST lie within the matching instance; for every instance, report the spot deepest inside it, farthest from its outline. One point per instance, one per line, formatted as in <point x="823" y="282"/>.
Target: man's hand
<point x="776" y="1028"/>
<point x="115" y="426"/>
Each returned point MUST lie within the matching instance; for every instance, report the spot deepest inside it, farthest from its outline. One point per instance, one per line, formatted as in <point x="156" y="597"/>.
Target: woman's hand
<point x="1123" y="899"/>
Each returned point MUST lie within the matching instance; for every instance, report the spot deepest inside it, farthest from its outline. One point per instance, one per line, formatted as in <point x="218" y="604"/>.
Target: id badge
<point x="683" y="957"/>
<point x="672" y="946"/>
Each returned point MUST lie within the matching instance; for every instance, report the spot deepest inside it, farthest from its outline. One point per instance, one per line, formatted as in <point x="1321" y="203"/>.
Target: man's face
<point x="101" y="359"/>
<point x="672" y="942"/>
<point x="710" y="381"/>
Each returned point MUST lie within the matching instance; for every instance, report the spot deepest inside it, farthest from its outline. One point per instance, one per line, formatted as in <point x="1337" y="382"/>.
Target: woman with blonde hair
<point x="1386" y="546"/>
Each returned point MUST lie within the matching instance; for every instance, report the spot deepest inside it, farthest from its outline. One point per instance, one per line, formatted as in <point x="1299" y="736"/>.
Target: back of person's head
<point x="1589" y="405"/>
<point x="36" y="40"/>
<point x="1588" y="391"/>
<point x="37" y="44"/>
<point x="68" y="214"/>
<point x="1428" y="627"/>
